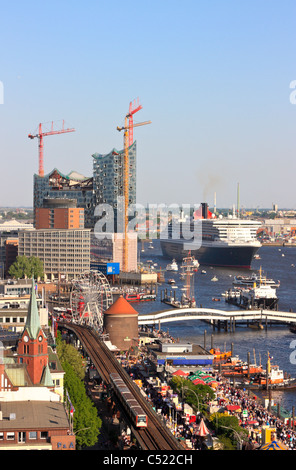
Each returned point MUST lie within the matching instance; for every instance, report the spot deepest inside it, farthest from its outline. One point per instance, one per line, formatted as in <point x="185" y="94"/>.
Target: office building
<point x="63" y="252"/>
<point x="9" y="230"/>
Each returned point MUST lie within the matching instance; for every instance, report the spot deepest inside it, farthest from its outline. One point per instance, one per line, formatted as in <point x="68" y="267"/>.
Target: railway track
<point x="155" y="436"/>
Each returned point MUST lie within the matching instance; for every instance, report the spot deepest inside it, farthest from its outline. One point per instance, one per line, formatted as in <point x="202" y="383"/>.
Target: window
<point x="33" y="435"/>
<point x="10" y="436"/>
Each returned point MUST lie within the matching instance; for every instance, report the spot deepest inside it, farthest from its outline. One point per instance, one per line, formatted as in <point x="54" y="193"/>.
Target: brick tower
<point x="32" y="345"/>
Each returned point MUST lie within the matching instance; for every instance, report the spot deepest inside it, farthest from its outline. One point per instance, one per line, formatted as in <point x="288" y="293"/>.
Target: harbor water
<point x="278" y="263"/>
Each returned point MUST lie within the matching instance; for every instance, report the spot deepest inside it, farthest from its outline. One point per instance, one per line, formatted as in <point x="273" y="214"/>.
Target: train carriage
<point x="131" y="405"/>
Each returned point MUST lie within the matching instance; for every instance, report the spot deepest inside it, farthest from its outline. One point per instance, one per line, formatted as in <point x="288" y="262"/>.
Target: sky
<point x="213" y="76"/>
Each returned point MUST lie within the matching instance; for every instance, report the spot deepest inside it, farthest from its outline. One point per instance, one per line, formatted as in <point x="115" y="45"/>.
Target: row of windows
<point x="12" y="320"/>
<point x="22" y="436"/>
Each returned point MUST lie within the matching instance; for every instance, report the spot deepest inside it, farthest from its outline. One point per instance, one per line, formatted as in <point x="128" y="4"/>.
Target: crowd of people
<point x="253" y="415"/>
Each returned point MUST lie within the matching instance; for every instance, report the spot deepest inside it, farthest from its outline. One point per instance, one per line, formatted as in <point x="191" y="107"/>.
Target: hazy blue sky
<point x="213" y="76"/>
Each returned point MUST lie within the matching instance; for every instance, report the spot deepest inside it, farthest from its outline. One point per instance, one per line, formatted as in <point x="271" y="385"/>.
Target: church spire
<point x="33" y="322"/>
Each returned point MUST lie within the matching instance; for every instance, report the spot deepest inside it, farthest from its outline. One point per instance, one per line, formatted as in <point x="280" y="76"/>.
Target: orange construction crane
<point x="40" y="136"/>
<point x="126" y="140"/>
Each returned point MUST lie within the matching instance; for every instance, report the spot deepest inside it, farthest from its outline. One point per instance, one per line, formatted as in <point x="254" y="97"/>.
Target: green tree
<point x="86" y="423"/>
<point x="24" y="267"/>
<point x="228" y="429"/>
<point x="194" y="395"/>
<point x="68" y="354"/>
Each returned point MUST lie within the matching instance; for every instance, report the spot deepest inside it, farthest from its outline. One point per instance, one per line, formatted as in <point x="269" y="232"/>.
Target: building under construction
<point x="56" y="185"/>
<point x="114" y="177"/>
<point x="108" y="179"/>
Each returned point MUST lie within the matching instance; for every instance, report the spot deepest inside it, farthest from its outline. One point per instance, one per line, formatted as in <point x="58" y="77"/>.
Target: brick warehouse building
<point x="32" y="415"/>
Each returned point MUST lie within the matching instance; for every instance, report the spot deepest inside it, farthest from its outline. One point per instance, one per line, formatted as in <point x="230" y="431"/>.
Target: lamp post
<point x="190" y="390"/>
<point x="237" y="434"/>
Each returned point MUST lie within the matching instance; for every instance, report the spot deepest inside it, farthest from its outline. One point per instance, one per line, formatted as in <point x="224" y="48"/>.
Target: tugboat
<point x="273" y="378"/>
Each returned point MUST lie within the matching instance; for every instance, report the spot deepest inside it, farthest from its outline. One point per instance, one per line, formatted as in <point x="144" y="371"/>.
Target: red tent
<point x="233" y="407"/>
<point x="180" y="372"/>
<point x="202" y="429"/>
<point x="198" y="381"/>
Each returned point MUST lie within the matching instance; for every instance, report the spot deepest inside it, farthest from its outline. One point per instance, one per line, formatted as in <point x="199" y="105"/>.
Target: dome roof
<point x="121" y="307"/>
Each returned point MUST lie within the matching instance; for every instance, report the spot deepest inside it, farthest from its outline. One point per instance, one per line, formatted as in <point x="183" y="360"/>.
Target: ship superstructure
<point x="226" y="241"/>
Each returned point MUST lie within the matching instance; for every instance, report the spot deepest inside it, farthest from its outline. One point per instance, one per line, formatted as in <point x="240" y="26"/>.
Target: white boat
<point x="258" y="279"/>
<point x="214" y="279"/>
<point x="173" y="266"/>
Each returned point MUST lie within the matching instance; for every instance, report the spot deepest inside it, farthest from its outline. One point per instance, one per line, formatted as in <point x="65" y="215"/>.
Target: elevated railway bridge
<point x="217" y="317"/>
<point x="156" y="436"/>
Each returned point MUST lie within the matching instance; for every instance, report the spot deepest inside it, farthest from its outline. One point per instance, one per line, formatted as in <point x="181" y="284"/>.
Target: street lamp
<point x="190" y="390"/>
<point x="237" y="434"/>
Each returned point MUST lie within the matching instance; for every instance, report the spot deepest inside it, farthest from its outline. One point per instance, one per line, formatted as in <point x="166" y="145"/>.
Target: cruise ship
<point x="225" y="242"/>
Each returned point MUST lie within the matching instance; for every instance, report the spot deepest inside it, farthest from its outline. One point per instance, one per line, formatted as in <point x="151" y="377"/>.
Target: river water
<point x="276" y="263"/>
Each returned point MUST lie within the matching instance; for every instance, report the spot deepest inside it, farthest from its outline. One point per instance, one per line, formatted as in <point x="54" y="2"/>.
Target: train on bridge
<point x="127" y="399"/>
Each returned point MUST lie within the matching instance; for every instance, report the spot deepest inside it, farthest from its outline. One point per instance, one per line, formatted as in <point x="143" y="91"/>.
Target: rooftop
<point x="33" y="415"/>
<point x="121" y="307"/>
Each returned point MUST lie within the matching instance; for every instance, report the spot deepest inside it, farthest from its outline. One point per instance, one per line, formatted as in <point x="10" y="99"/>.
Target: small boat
<point x="203" y="272"/>
<point x="214" y="279"/>
<point x="214" y="299"/>
<point x="256" y="326"/>
<point x="172" y="266"/>
<point x="218" y="355"/>
<point x="276" y="380"/>
<point x="171" y="281"/>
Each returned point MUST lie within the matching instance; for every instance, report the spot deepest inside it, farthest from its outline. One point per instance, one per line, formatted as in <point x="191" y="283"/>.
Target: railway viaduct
<point x="156" y="435"/>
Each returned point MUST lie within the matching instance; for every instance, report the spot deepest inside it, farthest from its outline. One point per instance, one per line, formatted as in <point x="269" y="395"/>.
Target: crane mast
<point x="127" y="141"/>
<point x="40" y="136"/>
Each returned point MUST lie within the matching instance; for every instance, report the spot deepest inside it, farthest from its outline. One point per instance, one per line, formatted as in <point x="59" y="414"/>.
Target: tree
<point x="24" y="267"/>
<point x="19" y="268"/>
<point x="201" y="393"/>
<point x="228" y="429"/>
<point x="67" y="353"/>
<point x="87" y="423"/>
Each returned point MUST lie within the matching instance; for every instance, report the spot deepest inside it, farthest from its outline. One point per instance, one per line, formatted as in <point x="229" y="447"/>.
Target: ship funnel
<point x="204" y="210"/>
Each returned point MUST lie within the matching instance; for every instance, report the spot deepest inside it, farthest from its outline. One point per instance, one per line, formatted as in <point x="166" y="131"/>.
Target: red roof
<point x="121" y="307"/>
<point x="180" y="372"/>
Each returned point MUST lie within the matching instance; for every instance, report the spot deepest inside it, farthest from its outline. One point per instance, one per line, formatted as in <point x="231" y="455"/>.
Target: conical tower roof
<point x="121" y="307"/>
<point x="33" y="322"/>
<point x="46" y="378"/>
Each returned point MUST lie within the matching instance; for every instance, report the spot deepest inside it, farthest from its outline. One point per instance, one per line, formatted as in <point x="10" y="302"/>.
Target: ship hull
<point x="224" y="256"/>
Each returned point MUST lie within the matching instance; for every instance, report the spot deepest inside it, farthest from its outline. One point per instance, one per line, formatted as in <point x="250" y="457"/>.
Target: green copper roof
<point x="33" y="322"/>
<point x="46" y="379"/>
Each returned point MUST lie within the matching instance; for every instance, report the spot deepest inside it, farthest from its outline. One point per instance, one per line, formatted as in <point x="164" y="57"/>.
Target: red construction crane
<point x="133" y="108"/>
<point x="40" y="136"/>
<point x="127" y="128"/>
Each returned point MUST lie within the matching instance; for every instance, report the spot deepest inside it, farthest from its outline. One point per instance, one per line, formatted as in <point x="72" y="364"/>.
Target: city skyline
<point x="215" y="80"/>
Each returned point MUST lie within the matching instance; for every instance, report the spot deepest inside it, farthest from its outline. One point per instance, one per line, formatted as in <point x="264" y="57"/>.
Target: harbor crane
<point x="40" y="136"/>
<point x="127" y="141"/>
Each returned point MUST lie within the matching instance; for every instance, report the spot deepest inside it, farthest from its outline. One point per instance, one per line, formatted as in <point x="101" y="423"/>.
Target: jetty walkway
<point x="215" y="316"/>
